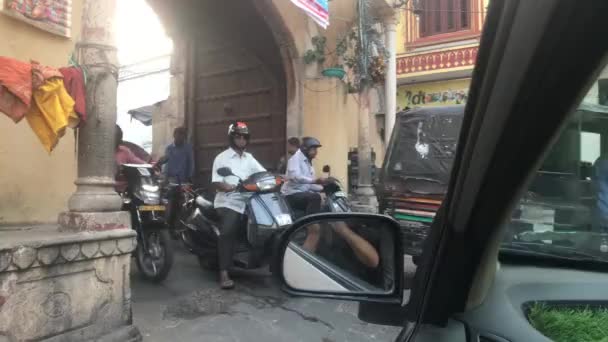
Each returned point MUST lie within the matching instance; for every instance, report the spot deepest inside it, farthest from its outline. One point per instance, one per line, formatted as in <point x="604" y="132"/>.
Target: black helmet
<point x="308" y="143"/>
<point x="237" y="128"/>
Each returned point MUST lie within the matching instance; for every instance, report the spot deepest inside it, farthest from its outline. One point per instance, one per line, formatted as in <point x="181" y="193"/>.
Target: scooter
<point x="267" y="215"/>
<point x="336" y="200"/>
<point x="154" y="254"/>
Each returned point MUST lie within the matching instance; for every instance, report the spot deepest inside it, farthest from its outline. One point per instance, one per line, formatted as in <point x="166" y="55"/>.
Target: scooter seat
<point x="203" y="203"/>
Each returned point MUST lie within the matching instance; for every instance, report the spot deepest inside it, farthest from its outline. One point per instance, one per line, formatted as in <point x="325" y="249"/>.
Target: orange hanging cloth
<point x="15" y="88"/>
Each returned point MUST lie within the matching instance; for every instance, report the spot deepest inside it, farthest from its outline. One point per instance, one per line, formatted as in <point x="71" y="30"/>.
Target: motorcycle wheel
<point x="156" y="263"/>
<point x="209" y="264"/>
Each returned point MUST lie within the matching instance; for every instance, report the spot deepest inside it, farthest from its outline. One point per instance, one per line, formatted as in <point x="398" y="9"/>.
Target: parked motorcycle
<point x="267" y="215"/>
<point x="154" y="254"/>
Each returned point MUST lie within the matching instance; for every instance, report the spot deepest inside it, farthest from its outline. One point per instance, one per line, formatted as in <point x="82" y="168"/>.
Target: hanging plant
<point x="377" y="70"/>
<point x="360" y="54"/>
<point x="367" y="56"/>
<point x="318" y="54"/>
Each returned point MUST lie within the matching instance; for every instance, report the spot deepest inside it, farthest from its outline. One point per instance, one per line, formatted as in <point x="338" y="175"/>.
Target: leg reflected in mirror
<point x="313" y="234"/>
<point x="364" y="251"/>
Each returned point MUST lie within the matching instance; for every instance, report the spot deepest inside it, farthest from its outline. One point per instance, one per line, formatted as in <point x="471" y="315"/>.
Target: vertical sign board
<point x="318" y="10"/>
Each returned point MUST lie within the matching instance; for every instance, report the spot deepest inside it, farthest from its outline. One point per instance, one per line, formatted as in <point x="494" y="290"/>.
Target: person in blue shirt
<point x="302" y="190"/>
<point x="179" y="158"/>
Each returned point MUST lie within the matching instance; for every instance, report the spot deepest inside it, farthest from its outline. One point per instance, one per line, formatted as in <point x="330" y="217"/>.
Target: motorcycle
<point x="267" y="215"/>
<point x="336" y="200"/>
<point x="154" y="254"/>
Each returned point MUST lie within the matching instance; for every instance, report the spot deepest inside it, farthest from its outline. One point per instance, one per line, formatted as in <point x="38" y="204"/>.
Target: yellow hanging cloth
<point x="51" y="112"/>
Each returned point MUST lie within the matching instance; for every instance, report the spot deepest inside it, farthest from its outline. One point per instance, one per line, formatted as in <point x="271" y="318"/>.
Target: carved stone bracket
<point x="35" y="249"/>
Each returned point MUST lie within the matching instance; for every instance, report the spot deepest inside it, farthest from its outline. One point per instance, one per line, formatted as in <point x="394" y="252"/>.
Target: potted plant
<point x="337" y="68"/>
<point x="318" y="54"/>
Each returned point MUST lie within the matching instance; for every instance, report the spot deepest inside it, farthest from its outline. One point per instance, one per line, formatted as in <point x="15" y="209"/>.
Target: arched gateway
<point x="235" y="70"/>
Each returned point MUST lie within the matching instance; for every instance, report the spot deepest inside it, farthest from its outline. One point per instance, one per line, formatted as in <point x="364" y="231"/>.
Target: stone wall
<point x="25" y="166"/>
<point x="66" y="286"/>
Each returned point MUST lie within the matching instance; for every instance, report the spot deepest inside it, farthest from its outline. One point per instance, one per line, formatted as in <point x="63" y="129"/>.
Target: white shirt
<point x="242" y="166"/>
<point x="300" y="175"/>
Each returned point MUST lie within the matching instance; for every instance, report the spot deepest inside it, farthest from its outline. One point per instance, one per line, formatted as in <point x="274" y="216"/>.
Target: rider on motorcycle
<point x="122" y="155"/>
<point x="302" y="190"/>
<point x="230" y="205"/>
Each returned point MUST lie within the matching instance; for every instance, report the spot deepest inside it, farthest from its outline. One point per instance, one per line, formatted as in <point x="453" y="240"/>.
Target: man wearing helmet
<point x="229" y="204"/>
<point x="302" y="189"/>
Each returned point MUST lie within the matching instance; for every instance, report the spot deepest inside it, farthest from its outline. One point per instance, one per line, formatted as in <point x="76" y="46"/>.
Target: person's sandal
<point x="227" y="284"/>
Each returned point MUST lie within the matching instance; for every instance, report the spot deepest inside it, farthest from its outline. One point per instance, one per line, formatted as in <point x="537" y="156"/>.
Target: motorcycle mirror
<point x="316" y="261"/>
<point x="224" y="172"/>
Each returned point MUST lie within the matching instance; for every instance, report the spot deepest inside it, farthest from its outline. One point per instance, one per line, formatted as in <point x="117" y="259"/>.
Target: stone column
<point x="366" y="197"/>
<point x="95" y="205"/>
<point x="390" y="32"/>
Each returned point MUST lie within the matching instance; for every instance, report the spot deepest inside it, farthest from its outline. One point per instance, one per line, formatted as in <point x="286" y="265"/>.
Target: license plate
<point x="340" y="194"/>
<point x="151" y="208"/>
<point x="283" y="219"/>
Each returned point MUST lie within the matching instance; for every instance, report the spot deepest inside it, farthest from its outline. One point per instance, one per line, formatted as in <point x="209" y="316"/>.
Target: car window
<point x="564" y="211"/>
<point x="562" y="214"/>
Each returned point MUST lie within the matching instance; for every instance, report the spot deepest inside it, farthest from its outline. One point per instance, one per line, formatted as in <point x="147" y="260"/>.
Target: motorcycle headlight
<point x="266" y="185"/>
<point x="149" y="197"/>
<point x="150" y="188"/>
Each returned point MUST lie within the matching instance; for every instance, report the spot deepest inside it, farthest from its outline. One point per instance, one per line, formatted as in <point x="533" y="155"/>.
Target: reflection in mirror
<point x="355" y="255"/>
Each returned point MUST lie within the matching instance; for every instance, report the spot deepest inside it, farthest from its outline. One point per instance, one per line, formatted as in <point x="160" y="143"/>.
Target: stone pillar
<point x="95" y="205"/>
<point x="172" y="112"/>
<point x="390" y="32"/>
<point x="366" y="198"/>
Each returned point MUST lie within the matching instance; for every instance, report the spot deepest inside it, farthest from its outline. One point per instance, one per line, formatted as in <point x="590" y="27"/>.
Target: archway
<point x="239" y="55"/>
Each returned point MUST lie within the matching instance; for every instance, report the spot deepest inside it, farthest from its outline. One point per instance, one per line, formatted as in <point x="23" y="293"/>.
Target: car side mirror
<point x="347" y="256"/>
<point x="224" y="172"/>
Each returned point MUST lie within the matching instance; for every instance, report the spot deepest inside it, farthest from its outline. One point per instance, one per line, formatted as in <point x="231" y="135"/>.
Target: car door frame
<point x="521" y="93"/>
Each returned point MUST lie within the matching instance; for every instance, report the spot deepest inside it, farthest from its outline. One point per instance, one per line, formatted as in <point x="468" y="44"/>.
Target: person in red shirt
<point x="123" y="155"/>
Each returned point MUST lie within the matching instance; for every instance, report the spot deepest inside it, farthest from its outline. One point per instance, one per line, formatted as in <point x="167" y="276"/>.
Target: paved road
<point x="188" y="306"/>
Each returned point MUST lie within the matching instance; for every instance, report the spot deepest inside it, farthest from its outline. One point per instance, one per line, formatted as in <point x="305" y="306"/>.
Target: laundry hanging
<point x="37" y="92"/>
<point x="15" y="88"/>
<point x="51" y="112"/>
<point x="73" y="80"/>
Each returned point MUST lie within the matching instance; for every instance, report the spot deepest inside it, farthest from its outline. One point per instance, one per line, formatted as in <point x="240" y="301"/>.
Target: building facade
<point x="245" y="61"/>
<point x="439" y="40"/>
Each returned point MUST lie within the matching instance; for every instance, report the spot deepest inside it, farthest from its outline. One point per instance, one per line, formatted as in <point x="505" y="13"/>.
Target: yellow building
<point x="438" y="42"/>
<point x="35" y="185"/>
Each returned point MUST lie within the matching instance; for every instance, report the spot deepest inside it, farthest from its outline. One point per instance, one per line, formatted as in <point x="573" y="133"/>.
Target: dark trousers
<point x="309" y="202"/>
<point x="231" y="223"/>
<point x="173" y="205"/>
